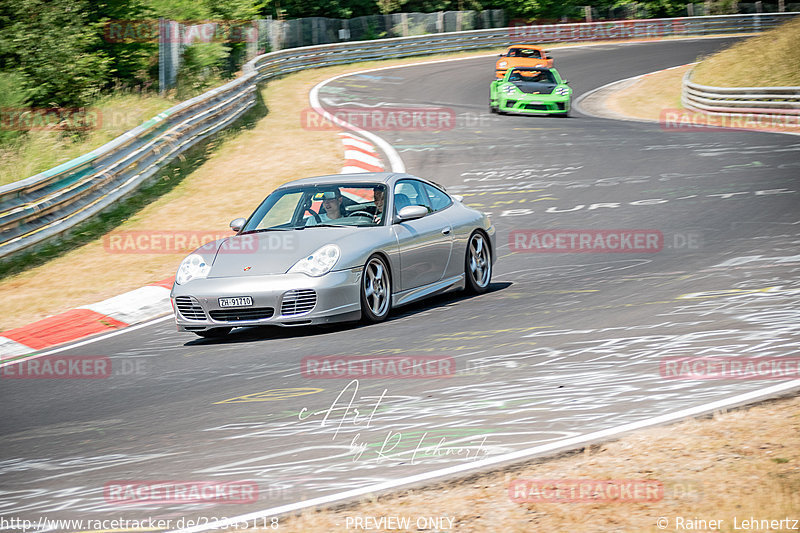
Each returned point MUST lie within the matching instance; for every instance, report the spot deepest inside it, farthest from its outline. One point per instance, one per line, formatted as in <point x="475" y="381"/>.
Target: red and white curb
<point x="360" y="155"/>
<point x="134" y="307"/>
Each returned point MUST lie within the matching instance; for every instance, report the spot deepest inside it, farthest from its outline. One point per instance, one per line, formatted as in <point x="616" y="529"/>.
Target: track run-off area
<point x="565" y="347"/>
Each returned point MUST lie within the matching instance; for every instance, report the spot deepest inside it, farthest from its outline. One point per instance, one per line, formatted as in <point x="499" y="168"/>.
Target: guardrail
<point x="50" y="204"/>
<point x="775" y="101"/>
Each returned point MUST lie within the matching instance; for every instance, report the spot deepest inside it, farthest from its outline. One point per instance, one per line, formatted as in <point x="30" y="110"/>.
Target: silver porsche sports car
<point x="334" y="248"/>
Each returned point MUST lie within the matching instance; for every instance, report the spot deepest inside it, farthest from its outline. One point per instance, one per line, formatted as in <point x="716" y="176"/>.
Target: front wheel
<point x="214" y="333"/>
<point x="478" y="264"/>
<point x="376" y="290"/>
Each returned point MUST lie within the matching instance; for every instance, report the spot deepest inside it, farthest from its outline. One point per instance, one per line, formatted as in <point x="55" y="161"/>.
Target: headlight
<point x="508" y="89"/>
<point x="562" y="91"/>
<point x="502" y="64"/>
<point x="193" y="267"/>
<point x="318" y="263"/>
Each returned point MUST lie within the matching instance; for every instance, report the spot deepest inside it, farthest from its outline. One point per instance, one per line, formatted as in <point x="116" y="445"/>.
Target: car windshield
<point x="532" y="76"/>
<point x="528" y="53"/>
<point x="344" y="204"/>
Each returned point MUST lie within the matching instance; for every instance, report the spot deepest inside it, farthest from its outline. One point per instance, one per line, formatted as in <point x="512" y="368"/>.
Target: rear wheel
<point x="478" y="264"/>
<point x="376" y="290"/>
<point x="214" y="333"/>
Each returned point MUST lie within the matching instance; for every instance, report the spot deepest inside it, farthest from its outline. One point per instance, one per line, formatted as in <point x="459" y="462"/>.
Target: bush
<point x="201" y="64"/>
<point x="13" y="95"/>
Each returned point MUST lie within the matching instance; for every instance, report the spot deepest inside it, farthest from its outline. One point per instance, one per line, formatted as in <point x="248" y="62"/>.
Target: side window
<point x="439" y="200"/>
<point x="409" y="192"/>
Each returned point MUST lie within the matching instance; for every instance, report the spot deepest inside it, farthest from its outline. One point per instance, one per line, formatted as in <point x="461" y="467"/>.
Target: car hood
<point x="273" y="252"/>
<point x="534" y="87"/>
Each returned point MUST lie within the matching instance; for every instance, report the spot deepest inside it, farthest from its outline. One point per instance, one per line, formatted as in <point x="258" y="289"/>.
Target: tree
<point x="51" y="44"/>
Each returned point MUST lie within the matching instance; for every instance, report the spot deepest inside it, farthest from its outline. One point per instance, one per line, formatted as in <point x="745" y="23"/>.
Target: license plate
<point x="238" y="301"/>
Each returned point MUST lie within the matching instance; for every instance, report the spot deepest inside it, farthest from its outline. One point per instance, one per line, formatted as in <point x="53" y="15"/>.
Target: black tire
<point x="492" y="109"/>
<point x="214" y="333"/>
<point x="477" y="264"/>
<point x="376" y="290"/>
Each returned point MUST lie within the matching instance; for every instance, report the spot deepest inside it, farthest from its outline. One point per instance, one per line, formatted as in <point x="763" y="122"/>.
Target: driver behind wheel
<point x="379" y="203"/>
<point x="331" y="208"/>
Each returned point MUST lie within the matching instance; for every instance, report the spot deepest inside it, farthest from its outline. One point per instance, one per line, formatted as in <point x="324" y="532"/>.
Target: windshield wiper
<point x="262" y="230"/>
<point x="330" y="226"/>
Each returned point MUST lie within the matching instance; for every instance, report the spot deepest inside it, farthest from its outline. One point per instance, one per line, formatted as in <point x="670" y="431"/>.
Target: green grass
<point x="160" y="184"/>
<point x="771" y="59"/>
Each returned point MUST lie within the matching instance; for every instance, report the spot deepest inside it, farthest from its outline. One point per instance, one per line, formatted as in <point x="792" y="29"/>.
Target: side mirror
<point x="412" y="212"/>
<point x="566" y="82"/>
<point x="502" y="55"/>
<point x="237" y="224"/>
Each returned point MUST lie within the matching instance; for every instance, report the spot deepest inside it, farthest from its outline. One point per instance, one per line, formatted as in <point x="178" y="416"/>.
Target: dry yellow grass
<point x="742" y="464"/>
<point x="649" y="95"/>
<point x="771" y="59"/>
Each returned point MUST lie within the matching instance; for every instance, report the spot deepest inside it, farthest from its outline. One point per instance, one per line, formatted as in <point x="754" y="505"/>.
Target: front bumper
<point x="533" y="105"/>
<point x="294" y="300"/>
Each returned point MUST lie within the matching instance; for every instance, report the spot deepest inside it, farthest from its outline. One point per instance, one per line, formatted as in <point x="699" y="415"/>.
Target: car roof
<point x="528" y="46"/>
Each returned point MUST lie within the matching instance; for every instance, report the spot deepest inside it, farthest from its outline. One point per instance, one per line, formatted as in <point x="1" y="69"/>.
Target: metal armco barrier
<point x="48" y="205"/>
<point x="739" y="100"/>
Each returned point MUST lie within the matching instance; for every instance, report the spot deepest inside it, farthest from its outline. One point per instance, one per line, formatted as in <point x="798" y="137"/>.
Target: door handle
<point x="446" y="231"/>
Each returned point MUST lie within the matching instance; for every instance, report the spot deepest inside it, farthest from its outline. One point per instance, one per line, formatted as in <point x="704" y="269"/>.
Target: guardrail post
<point x="253" y="34"/>
<point x="781" y="6"/>
<point x="587" y="13"/>
<point x="168" y="53"/>
<point x="690" y="10"/>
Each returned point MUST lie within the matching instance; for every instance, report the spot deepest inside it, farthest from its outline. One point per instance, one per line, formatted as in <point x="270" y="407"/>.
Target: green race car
<point x="534" y="90"/>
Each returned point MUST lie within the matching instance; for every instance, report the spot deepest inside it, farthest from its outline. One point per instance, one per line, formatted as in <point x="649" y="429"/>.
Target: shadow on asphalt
<point x="265" y="333"/>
